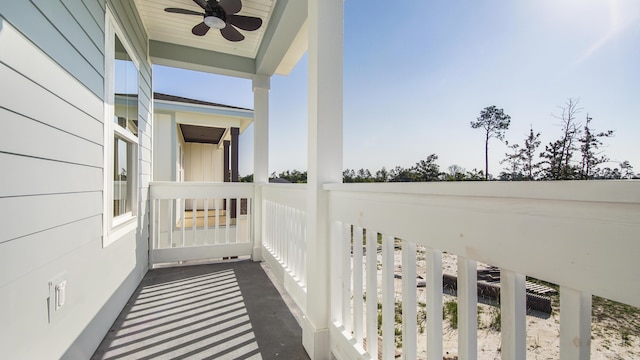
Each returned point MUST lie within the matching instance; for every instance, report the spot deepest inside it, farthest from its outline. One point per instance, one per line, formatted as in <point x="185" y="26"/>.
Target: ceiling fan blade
<point x="183" y="11"/>
<point x="248" y="23"/>
<point x="202" y="3"/>
<point x="231" y="6"/>
<point x="230" y="33"/>
<point x="200" y="29"/>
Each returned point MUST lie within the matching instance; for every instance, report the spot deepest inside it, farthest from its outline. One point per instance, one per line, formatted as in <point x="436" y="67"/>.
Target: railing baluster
<point x="467" y="309"/>
<point x="156" y="210"/>
<point x="303" y="269"/>
<point x="409" y="300"/>
<point x="155" y="229"/>
<point x="388" y="298"/>
<point x="287" y="236"/>
<point x="269" y="221"/>
<point x="194" y="218"/>
<point x="172" y="220"/>
<point x="206" y="221"/>
<point x="372" y="293"/>
<point x="216" y="204"/>
<point x="183" y="205"/>
<point x="249" y="221"/>
<point x="346" y="278"/>
<point x="237" y="210"/>
<point x="513" y="312"/>
<point x="575" y="324"/>
<point x="295" y="243"/>
<point x="227" y="222"/>
<point x="434" y="303"/>
<point x="358" y="301"/>
<point x="336" y="272"/>
<point x="276" y="231"/>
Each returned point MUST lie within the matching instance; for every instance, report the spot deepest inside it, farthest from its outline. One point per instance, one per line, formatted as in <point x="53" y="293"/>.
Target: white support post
<point x="261" y="86"/>
<point x="575" y="324"/>
<point x="467" y="309"/>
<point x="325" y="53"/>
<point x="513" y="309"/>
<point x="434" y="304"/>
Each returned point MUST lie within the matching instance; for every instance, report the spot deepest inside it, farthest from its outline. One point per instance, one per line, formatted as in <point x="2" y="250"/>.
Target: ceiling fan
<point x="220" y="14"/>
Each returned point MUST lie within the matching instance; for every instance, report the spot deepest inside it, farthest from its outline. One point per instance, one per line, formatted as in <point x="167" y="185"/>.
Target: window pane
<point x="126" y="89"/>
<point x="121" y="185"/>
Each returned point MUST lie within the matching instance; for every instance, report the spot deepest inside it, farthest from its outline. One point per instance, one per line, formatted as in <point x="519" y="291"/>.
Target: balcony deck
<point x="227" y="310"/>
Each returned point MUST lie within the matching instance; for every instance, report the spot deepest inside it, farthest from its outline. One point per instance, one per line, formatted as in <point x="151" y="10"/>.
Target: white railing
<point x="200" y="221"/>
<point x="580" y="235"/>
<point x="284" y="235"/>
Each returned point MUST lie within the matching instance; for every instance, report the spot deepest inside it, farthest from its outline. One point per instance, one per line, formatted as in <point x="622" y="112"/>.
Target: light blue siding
<point x="31" y="22"/>
<point x="52" y="55"/>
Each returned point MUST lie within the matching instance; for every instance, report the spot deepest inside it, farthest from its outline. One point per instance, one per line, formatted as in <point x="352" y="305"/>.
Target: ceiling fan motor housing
<point x="216" y="18"/>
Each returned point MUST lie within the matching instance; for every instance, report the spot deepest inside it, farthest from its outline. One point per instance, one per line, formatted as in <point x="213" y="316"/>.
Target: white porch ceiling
<point x="176" y="28"/>
<point x="275" y="48"/>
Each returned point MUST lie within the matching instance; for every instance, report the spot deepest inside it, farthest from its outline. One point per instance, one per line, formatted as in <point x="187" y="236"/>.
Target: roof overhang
<point x="274" y="49"/>
<point x="205" y="115"/>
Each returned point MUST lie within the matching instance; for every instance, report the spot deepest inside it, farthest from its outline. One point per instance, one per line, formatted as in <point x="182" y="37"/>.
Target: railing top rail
<point x="285" y="186"/>
<point x="609" y="191"/>
<point x="200" y="183"/>
<point x="198" y="190"/>
<point x="293" y="195"/>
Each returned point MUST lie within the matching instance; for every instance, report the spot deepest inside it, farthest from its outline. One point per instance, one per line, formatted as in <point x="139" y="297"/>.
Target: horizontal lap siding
<point x="26" y="174"/>
<point x="46" y="30"/>
<point x="51" y="188"/>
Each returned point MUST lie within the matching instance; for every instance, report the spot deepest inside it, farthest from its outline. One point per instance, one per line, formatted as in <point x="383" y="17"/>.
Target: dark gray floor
<point x="219" y="311"/>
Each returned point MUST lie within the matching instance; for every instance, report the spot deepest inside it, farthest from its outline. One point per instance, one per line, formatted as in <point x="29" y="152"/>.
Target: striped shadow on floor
<point x="219" y="311"/>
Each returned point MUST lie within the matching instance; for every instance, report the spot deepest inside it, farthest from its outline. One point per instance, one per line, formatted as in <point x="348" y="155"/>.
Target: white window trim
<point x="115" y="228"/>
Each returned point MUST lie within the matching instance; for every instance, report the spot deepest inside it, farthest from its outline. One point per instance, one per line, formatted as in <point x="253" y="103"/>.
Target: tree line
<point x="577" y="154"/>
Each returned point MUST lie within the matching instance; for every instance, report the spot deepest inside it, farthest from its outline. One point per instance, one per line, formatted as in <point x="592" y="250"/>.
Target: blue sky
<point x="417" y="73"/>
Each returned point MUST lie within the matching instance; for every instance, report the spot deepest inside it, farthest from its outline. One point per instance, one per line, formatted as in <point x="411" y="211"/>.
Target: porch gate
<point x="199" y="221"/>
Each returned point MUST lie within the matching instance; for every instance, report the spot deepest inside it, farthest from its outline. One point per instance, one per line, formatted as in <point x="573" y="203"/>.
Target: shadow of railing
<point x="228" y="310"/>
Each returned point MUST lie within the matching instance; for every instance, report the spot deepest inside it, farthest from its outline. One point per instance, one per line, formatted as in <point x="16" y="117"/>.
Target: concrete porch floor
<point x="227" y="310"/>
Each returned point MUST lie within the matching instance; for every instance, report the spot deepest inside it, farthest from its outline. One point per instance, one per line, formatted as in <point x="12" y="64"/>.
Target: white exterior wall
<point x="51" y="191"/>
<point x="164" y="155"/>
<point x="203" y="162"/>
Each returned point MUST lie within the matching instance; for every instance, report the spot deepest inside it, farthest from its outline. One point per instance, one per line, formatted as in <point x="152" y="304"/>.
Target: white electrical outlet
<point x="57" y="296"/>
<point x="60" y="290"/>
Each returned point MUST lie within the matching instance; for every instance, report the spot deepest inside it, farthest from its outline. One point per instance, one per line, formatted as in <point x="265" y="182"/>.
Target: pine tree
<point x="590" y="143"/>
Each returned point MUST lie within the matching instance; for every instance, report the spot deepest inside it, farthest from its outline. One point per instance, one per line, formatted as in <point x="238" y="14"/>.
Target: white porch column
<point x="325" y="19"/>
<point x="261" y="86"/>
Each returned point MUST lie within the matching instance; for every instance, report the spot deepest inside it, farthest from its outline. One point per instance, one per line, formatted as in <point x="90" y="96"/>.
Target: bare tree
<point x="494" y="122"/>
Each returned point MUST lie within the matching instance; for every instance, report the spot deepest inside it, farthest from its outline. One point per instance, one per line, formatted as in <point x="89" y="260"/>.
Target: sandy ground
<point x="609" y="341"/>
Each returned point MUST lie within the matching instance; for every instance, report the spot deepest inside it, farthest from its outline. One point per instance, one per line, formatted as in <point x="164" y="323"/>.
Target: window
<point x="121" y="135"/>
<point x="125" y="131"/>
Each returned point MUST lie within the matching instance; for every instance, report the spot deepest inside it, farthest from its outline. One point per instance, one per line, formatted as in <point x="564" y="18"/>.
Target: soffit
<point x="176" y="28"/>
<point x="202" y="134"/>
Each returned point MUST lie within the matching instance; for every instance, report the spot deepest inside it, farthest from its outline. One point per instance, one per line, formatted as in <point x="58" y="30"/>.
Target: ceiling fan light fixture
<point x="214" y="22"/>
